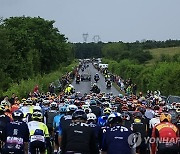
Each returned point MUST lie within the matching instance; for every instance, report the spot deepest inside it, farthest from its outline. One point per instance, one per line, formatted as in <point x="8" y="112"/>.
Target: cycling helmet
<point x="165" y="109"/>
<point x="23" y="100"/>
<point x="4" y="103"/>
<point x="46" y="102"/>
<point x="79" y="114"/>
<point x="114" y="118"/>
<point x="2" y="108"/>
<point x="71" y="107"/>
<point x="53" y="105"/>
<point x="17" y="115"/>
<point x="141" y="109"/>
<point x="70" y="85"/>
<point x="157" y="113"/>
<point x="165" y="117"/>
<point x="174" y="115"/>
<point x="87" y="110"/>
<point x="137" y="114"/>
<point x="36" y="108"/>
<point x="125" y="116"/>
<point x="107" y="111"/>
<point x="85" y="107"/>
<point x="37" y="115"/>
<point x="93" y="102"/>
<point x="121" y="96"/>
<point x="91" y="116"/>
<point x="63" y="109"/>
<point x="29" y="101"/>
<point x="156" y="107"/>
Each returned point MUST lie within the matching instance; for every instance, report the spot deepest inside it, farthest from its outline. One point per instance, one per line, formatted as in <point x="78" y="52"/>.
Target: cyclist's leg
<point x="37" y="145"/>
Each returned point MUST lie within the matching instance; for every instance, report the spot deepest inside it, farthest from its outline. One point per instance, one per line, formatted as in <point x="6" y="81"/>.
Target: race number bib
<point x="14" y="140"/>
<point x="37" y="138"/>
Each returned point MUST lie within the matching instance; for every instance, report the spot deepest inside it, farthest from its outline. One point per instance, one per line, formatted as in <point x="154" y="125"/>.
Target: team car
<point x="85" y="77"/>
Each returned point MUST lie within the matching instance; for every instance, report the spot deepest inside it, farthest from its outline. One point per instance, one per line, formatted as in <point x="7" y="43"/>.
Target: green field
<point x="156" y="53"/>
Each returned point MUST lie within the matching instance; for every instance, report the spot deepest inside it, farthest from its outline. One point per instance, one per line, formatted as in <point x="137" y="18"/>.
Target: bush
<point x="26" y="86"/>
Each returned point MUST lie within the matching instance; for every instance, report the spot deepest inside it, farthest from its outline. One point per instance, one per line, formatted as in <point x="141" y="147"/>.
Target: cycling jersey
<point x="4" y="119"/>
<point x="96" y="110"/>
<point x="140" y="128"/>
<point x="79" y="138"/>
<point x="97" y="132"/>
<point x="64" y="123"/>
<point x="56" y="122"/>
<point x="39" y="136"/>
<point x="50" y="114"/>
<point x="168" y="135"/>
<point x="16" y="134"/>
<point x="153" y="122"/>
<point x="27" y="111"/>
<point x="115" y="140"/>
<point x="39" y="129"/>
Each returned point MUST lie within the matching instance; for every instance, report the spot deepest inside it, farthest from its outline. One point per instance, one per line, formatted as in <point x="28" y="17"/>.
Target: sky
<point x="111" y="20"/>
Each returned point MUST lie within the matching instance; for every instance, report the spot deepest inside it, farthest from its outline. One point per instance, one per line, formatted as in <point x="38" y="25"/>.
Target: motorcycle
<point x="108" y="84"/>
<point x="77" y="80"/>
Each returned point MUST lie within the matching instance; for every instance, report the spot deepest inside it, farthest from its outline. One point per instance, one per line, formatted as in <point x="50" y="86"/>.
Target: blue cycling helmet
<point x="93" y="102"/>
<point x="63" y="109"/>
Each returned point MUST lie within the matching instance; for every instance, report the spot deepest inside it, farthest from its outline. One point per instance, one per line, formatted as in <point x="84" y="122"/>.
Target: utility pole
<point x="85" y="36"/>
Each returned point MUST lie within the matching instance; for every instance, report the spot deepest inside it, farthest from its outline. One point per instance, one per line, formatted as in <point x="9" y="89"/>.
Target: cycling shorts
<point x="41" y="146"/>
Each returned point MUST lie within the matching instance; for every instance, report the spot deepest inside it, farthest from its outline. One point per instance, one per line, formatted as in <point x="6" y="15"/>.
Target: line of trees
<point x="30" y="47"/>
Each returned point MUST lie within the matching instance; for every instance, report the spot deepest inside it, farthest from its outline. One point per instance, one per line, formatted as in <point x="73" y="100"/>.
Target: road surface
<point x="85" y="86"/>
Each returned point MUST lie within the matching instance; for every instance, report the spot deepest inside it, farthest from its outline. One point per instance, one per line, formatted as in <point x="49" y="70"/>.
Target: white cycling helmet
<point x="91" y="116"/>
<point x="85" y="106"/>
<point x="71" y="107"/>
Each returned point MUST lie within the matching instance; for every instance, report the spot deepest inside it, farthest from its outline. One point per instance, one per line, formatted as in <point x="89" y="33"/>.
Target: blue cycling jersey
<point x="56" y="122"/>
<point x="115" y="140"/>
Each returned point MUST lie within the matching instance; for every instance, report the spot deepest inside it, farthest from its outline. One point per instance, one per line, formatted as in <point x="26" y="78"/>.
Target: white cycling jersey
<point x="153" y="122"/>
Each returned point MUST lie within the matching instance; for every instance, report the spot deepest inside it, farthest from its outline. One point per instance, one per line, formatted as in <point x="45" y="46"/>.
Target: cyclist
<point x="69" y="90"/>
<point x="168" y="135"/>
<point x="16" y="135"/>
<point x="102" y="121"/>
<point x="92" y="122"/>
<point x="154" y="121"/>
<point x="94" y="108"/>
<point x="108" y="83"/>
<point x="66" y="120"/>
<point x="95" y="89"/>
<point x="115" y="140"/>
<point x="4" y="119"/>
<point x="126" y="119"/>
<point x="78" y="137"/>
<point x="96" y="77"/>
<point x="39" y="135"/>
<point x="62" y="112"/>
<point x="27" y="109"/>
<point x="140" y="128"/>
<point x="50" y="114"/>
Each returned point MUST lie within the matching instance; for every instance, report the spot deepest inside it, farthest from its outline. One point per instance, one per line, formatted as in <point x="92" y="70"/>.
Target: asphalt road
<point x="85" y="86"/>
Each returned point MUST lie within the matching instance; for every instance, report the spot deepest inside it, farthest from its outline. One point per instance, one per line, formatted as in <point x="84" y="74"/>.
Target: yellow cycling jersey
<point x="38" y="128"/>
